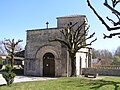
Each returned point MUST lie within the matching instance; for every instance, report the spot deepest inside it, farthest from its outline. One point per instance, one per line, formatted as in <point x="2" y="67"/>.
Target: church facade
<point x="45" y="58"/>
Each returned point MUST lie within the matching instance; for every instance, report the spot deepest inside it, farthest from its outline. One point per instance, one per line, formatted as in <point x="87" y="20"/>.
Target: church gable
<point x="45" y="58"/>
<point x="39" y="38"/>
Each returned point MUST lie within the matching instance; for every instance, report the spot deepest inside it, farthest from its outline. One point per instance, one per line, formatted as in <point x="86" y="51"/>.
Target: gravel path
<point x="24" y="79"/>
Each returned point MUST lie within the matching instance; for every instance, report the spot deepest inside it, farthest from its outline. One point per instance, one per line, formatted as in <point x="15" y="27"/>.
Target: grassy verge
<point x="73" y="83"/>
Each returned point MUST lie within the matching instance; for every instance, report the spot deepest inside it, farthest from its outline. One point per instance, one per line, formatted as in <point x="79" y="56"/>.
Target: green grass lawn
<point x="73" y="83"/>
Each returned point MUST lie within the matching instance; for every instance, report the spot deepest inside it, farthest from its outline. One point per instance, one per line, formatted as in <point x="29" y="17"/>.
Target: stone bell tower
<point x="63" y="21"/>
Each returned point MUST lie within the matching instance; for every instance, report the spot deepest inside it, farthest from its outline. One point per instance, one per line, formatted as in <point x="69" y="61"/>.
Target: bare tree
<point x="112" y="8"/>
<point x="2" y="51"/>
<point x="95" y="53"/>
<point x="10" y="47"/>
<point x="75" y="39"/>
<point x="117" y="52"/>
<point x="104" y="55"/>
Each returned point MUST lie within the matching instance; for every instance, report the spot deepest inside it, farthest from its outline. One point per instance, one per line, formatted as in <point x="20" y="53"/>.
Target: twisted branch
<point x="117" y="13"/>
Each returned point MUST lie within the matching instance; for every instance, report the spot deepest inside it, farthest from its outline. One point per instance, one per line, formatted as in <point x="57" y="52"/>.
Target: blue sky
<point x="17" y="16"/>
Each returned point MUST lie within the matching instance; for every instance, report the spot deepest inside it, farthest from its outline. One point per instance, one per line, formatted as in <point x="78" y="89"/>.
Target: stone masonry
<point x="38" y="44"/>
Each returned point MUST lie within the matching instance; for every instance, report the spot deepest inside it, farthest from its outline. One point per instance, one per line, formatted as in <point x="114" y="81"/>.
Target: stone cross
<point x="47" y="24"/>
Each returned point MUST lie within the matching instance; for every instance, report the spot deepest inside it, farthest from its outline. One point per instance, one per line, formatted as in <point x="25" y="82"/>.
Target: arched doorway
<point x="48" y="65"/>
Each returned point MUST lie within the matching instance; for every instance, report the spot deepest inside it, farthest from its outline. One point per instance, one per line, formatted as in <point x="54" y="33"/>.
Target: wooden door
<point x="48" y="65"/>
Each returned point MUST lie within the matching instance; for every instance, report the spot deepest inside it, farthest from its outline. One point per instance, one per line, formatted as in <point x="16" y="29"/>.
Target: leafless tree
<point x="117" y="52"/>
<point x="2" y="51"/>
<point x="10" y="47"/>
<point x="104" y="55"/>
<point x="115" y="11"/>
<point x="75" y="39"/>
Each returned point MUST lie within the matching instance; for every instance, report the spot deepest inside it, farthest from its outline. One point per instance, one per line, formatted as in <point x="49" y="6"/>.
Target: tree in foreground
<point x="115" y="11"/>
<point x="8" y="75"/>
<point x="10" y="46"/>
<point x="75" y="39"/>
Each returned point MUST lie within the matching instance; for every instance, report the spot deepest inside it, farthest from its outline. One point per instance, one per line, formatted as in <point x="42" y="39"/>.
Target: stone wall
<point x="101" y="71"/>
<point x="38" y="43"/>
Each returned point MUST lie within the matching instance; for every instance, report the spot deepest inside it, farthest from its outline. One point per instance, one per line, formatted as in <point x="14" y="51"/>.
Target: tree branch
<point x="6" y="47"/>
<point x="112" y="9"/>
<point x="111" y="35"/>
<point x="83" y="46"/>
<point x="61" y="41"/>
<point x="77" y="31"/>
<point x="79" y="38"/>
<point x="113" y="22"/>
<point x="18" y="42"/>
<point x="100" y="18"/>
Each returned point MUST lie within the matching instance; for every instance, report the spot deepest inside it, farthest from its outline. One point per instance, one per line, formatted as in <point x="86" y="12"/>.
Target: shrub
<point x="0" y="62"/>
<point x="1" y="66"/>
<point x="8" y="75"/>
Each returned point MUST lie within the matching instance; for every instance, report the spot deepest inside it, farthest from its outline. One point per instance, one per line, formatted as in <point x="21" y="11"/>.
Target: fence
<point x="103" y="70"/>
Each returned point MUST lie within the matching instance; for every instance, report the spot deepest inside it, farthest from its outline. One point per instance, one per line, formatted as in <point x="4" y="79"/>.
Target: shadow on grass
<point x="2" y="85"/>
<point x="100" y="83"/>
<point x="93" y="84"/>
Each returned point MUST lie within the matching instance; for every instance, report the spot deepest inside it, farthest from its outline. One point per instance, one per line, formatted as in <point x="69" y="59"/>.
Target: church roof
<point x="45" y="29"/>
<point x="71" y="16"/>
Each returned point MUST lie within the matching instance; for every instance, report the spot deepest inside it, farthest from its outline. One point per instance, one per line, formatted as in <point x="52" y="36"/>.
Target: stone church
<point x="45" y="58"/>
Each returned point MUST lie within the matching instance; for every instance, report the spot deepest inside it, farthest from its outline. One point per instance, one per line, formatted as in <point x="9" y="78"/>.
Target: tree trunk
<point x="12" y="56"/>
<point x="12" y="61"/>
<point x="73" y="66"/>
